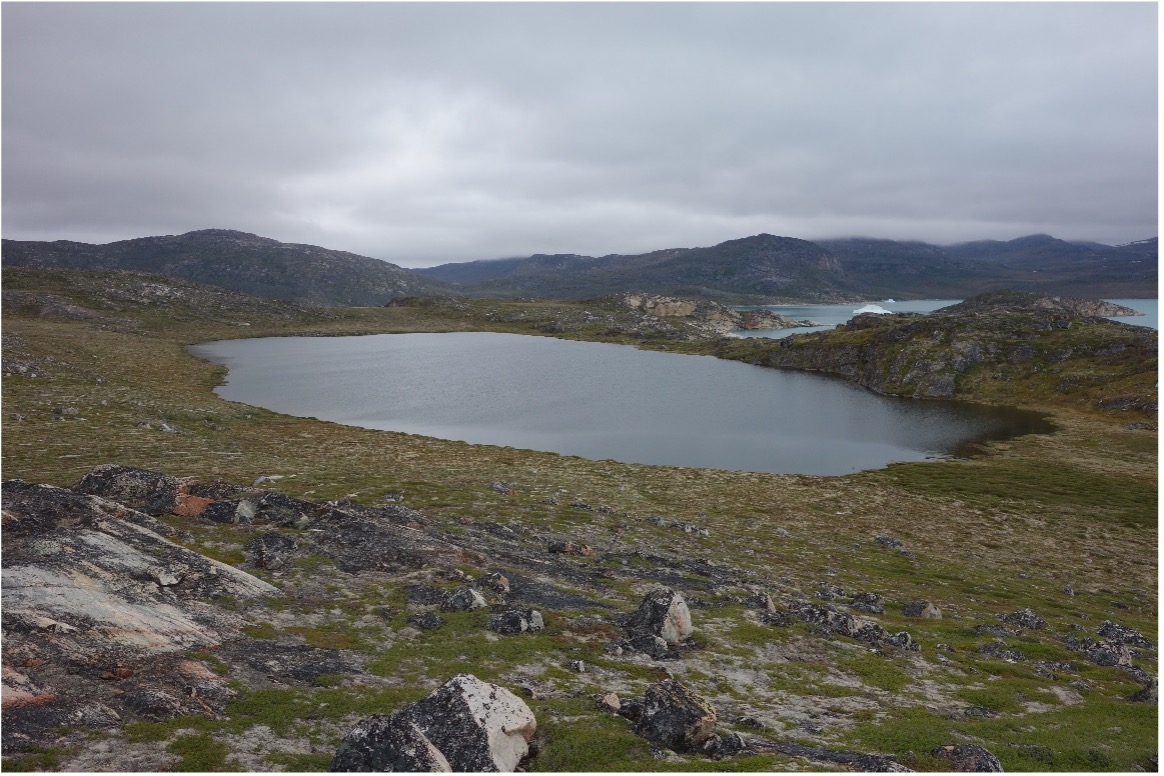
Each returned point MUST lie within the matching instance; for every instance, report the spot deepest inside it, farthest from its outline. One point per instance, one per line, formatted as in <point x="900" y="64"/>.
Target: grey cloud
<point x="422" y="133"/>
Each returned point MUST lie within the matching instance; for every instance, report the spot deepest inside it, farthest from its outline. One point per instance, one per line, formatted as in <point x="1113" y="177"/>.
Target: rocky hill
<point x="1004" y="346"/>
<point x="239" y="261"/>
<point x="767" y="269"/>
<point x="749" y="270"/>
<point x="1036" y="263"/>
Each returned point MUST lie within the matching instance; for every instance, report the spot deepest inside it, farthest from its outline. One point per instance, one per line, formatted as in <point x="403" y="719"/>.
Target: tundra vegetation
<point x="1039" y="553"/>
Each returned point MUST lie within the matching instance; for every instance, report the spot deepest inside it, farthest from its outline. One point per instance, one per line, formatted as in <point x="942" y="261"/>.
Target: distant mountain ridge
<point x="764" y="268"/>
<point x="239" y="261"/>
<point x="761" y="269"/>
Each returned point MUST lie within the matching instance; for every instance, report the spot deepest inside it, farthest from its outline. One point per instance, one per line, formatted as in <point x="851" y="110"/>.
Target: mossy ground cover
<point x="1007" y="530"/>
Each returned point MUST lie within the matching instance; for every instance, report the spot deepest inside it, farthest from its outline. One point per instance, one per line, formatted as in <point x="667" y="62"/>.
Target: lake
<point x="829" y="315"/>
<point x="602" y="401"/>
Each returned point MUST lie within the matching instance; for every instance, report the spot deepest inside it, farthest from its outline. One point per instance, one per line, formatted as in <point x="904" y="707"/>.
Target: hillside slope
<point x="240" y="261"/>
<point x="760" y="268"/>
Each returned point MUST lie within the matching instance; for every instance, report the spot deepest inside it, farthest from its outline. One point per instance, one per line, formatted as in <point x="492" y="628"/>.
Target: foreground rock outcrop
<point x="466" y="725"/>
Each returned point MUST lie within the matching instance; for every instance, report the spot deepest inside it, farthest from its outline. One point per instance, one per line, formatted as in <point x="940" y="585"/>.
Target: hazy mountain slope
<point x="758" y="268"/>
<point x="240" y="261"/>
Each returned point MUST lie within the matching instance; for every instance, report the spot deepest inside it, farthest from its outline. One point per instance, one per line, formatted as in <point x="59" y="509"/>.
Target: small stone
<point x="578" y="666"/>
<point x="608" y="702"/>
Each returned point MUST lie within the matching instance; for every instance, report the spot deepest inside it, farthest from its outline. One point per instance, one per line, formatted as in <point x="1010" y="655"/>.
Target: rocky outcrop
<point x="717" y="317"/>
<point x="1025" y="300"/>
<point x="94" y="595"/>
<point x="466" y="725"/>
<point x="969" y="350"/>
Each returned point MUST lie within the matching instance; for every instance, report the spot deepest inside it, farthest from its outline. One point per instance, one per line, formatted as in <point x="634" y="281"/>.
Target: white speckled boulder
<point x="466" y="725"/>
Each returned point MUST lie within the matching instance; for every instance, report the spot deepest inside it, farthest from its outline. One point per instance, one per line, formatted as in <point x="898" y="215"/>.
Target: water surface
<point x="601" y="401"/>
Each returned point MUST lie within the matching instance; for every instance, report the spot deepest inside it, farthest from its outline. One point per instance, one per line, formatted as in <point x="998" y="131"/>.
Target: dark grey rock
<point x="663" y="613"/>
<point x="271" y="550"/>
<point x="1113" y="632"/>
<point x="463" y="599"/>
<point x="153" y="703"/>
<point x="923" y="609"/>
<point x="426" y="621"/>
<point x="675" y="717"/>
<point x="998" y="649"/>
<point x="968" y="758"/>
<point x="465" y="725"/>
<point x="140" y="489"/>
<point x="513" y="621"/>
<point x="1025" y="618"/>
<point x="870" y="603"/>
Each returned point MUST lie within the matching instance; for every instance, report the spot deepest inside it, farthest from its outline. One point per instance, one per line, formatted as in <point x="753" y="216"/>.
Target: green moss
<point x="200" y="754"/>
<point x="300" y="763"/>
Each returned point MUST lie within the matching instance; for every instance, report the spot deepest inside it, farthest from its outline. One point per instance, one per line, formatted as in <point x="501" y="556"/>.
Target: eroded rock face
<point x="96" y="598"/>
<point x="675" y="717"/>
<point x="968" y="758"/>
<point x="95" y="575"/>
<point x="662" y="613"/>
<point x="466" y="725"/>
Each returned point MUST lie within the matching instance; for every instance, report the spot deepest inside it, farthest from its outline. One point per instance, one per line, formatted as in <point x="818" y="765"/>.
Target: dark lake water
<point x="601" y="401"/>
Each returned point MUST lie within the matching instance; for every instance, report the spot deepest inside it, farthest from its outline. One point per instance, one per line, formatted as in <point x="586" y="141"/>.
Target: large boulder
<point x="140" y="489"/>
<point x="675" y="717"/>
<point x="466" y="725"/>
<point x="662" y="613"/>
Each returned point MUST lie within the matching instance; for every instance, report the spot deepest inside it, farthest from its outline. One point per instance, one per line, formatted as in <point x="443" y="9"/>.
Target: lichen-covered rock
<point x="663" y="613"/>
<point x="827" y="616"/>
<point x="968" y="758"/>
<point x="140" y="489"/>
<point x="512" y="621"/>
<point x="871" y="603"/>
<point x="923" y="609"/>
<point x="466" y="725"/>
<point x="675" y="717"/>
<point x="1025" y="618"/>
<point x="463" y="599"/>
<point x="1113" y="632"/>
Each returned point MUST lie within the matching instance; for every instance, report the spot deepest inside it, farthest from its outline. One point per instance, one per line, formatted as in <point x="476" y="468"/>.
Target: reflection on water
<point x="602" y="401"/>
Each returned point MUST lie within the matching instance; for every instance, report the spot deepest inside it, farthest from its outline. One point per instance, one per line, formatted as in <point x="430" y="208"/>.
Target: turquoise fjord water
<point x="602" y="401"/>
<point x="829" y="315"/>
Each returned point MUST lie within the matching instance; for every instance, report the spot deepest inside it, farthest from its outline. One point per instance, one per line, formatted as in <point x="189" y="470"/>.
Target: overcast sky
<point x="434" y="132"/>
